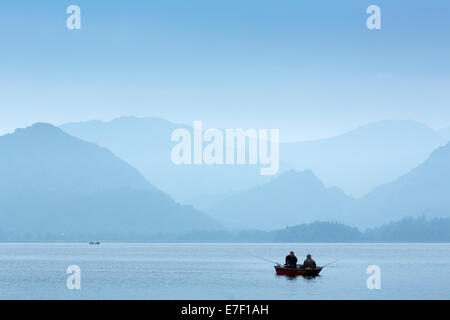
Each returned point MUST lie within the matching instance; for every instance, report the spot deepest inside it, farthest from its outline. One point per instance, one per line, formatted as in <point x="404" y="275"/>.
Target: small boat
<point x="291" y="272"/>
<point x="94" y="243"/>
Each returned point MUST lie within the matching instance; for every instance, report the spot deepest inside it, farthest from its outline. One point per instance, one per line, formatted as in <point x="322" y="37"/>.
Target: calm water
<point x="220" y="271"/>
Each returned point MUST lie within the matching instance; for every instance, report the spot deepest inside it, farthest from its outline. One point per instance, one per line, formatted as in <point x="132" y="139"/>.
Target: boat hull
<point x="282" y="271"/>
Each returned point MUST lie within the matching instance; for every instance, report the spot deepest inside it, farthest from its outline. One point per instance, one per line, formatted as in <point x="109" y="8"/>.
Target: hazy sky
<point x="309" y="68"/>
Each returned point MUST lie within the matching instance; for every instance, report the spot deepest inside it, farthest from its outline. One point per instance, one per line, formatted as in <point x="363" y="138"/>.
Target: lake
<point x="220" y="271"/>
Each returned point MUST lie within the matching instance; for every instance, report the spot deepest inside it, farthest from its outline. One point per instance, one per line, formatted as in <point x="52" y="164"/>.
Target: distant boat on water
<point x="94" y="243"/>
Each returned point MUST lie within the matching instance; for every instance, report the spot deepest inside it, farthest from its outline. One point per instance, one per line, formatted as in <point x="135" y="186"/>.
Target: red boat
<point x="291" y="272"/>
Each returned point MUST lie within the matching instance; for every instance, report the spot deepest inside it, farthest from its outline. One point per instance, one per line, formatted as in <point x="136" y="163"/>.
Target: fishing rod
<point x="264" y="259"/>
<point x="329" y="264"/>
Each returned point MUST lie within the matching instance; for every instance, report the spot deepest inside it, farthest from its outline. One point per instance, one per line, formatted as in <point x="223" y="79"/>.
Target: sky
<point x="309" y="68"/>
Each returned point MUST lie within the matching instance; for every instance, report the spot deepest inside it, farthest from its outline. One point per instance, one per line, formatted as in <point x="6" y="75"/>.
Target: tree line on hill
<point x="406" y="230"/>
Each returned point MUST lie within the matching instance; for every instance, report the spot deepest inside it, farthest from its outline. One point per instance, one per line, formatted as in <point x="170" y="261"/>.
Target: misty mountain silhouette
<point x="368" y="156"/>
<point x="360" y="160"/>
<point x="53" y="182"/>
<point x="445" y="133"/>
<point x="356" y="161"/>
<point x="145" y="144"/>
<point x="300" y="197"/>
<point x="425" y="190"/>
<point x="290" y="199"/>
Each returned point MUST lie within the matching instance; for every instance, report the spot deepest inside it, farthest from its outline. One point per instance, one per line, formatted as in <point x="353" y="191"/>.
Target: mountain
<point x="445" y="133"/>
<point x="318" y="232"/>
<point x="146" y="144"/>
<point x="52" y="182"/>
<point x="366" y="157"/>
<point x="359" y="161"/>
<point x="356" y="161"/>
<point x="411" y="230"/>
<point x="290" y="199"/>
<point x="425" y="190"/>
<point x="406" y="230"/>
<point x="300" y="197"/>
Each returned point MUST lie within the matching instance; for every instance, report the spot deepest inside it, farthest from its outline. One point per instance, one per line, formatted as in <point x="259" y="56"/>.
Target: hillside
<point x="52" y="182"/>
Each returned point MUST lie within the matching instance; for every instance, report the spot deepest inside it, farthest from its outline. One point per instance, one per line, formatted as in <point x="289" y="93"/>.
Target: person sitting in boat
<point x="291" y="260"/>
<point x="309" y="263"/>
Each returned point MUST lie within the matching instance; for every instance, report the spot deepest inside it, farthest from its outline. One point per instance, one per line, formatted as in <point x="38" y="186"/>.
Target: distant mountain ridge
<point x="42" y="146"/>
<point x="425" y="190"/>
<point x="289" y="199"/>
<point x="146" y="144"/>
<point x="368" y="156"/>
<point x="300" y="197"/>
<point x="53" y="182"/>
<point x="407" y="230"/>
<point x="360" y="160"/>
<point x="356" y="162"/>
